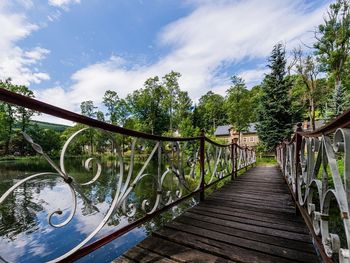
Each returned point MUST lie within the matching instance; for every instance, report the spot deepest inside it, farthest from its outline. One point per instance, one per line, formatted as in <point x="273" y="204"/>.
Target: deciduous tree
<point x="238" y="104"/>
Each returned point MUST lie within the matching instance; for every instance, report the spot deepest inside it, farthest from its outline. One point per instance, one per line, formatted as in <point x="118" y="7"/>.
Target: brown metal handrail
<point x="300" y="171"/>
<point x="36" y="105"/>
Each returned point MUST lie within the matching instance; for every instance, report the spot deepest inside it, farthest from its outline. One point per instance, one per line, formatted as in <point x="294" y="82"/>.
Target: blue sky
<point x="68" y="51"/>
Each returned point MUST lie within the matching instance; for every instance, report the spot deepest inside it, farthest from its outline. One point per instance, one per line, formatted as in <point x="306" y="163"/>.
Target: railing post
<point x="236" y="160"/>
<point x="233" y="159"/>
<point x="201" y="164"/>
<point x="246" y="158"/>
<point x="298" y="140"/>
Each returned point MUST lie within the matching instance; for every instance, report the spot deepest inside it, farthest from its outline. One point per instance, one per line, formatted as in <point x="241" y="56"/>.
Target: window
<point x="245" y="139"/>
<point x="251" y="139"/>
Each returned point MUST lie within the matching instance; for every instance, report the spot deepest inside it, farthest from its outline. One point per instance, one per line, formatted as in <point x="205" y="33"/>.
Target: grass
<point x="19" y="158"/>
<point x="266" y="161"/>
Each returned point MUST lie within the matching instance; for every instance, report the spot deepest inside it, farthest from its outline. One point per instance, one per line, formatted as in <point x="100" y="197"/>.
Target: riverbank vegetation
<point x="309" y="83"/>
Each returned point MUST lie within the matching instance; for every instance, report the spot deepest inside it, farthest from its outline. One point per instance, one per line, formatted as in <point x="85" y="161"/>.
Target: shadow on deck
<point x="251" y="219"/>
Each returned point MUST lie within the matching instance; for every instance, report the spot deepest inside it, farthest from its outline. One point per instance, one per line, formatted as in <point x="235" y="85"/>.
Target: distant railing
<point x="185" y="167"/>
<point x="316" y="165"/>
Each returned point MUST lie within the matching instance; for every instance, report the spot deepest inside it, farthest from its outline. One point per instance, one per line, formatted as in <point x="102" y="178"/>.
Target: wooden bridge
<point x="295" y="212"/>
<point x="251" y="219"/>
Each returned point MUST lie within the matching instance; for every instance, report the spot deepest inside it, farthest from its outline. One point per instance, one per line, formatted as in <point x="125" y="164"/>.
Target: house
<point x="318" y="124"/>
<point x="249" y="137"/>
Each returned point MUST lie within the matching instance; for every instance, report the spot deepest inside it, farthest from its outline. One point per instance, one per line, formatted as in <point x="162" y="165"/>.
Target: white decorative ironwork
<point x="319" y="183"/>
<point x="176" y="159"/>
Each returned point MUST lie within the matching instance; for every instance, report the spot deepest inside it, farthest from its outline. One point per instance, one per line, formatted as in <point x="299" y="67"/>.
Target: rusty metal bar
<point x="202" y="165"/>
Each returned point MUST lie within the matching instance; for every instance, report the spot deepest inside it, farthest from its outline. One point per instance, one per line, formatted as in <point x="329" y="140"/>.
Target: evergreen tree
<point x="275" y="118"/>
<point x="338" y="101"/>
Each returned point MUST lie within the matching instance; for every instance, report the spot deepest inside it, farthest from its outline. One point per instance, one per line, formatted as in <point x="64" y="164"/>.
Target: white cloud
<point x="214" y="36"/>
<point x="15" y="62"/>
<point x="253" y="76"/>
<point x="63" y="3"/>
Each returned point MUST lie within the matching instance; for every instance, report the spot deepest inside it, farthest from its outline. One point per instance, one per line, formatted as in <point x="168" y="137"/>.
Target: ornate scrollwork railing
<point x="316" y="165"/>
<point x="172" y="170"/>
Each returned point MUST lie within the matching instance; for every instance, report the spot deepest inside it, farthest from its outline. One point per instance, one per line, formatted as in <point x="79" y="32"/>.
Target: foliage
<point x="254" y="94"/>
<point x="238" y="104"/>
<point x="178" y="102"/>
<point x="149" y="106"/>
<point x="117" y="109"/>
<point x="211" y="112"/>
<point x="308" y="69"/>
<point x="333" y="39"/>
<point x="338" y="101"/>
<point x="275" y="118"/>
<point x="88" y="109"/>
<point x="12" y="115"/>
<point x="333" y="49"/>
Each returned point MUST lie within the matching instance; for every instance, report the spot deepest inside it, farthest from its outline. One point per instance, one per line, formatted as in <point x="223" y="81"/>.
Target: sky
<point x="68" y="51"/>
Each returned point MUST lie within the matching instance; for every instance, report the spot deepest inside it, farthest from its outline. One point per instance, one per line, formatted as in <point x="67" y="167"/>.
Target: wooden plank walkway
<point x="251" y="219"/>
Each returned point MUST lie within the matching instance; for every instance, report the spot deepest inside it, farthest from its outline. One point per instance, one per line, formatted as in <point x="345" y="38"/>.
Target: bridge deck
<point x="251" y="219"/>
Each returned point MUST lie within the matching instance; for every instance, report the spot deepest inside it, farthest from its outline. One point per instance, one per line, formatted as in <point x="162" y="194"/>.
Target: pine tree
<point x="275" y="117"/>
<point x="338" y="101"/>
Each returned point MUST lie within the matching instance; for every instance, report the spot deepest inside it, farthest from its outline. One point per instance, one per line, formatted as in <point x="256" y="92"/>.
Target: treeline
<point x="162" y="108"/>
<point x="313" y="83"/>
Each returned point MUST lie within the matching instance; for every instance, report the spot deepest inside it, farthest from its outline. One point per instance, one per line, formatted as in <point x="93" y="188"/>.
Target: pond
<point x="25" y="232"/>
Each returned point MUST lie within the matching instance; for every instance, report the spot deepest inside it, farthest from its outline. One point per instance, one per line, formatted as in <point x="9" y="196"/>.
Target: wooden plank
<point x="279" y="198"/>
<point x="143" y="256"/>
<point x="123" y="259"/>
<point x="179" y="252"/>
<point x="254" y="245"/>
<point x="286" y="227"/>
<point x="265" y="203"/>
<point x="245" y="214"/>
<point x="278" y="241"/>
<point x="253" y="228"/>
<point x="287" y="218"/>
<point x="268" y="209"/>
<point x="220" y="248"/>
<point x="251" y="219"/>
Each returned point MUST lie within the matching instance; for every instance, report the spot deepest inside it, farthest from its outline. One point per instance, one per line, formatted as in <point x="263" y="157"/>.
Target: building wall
<point x="227" y="139"/>
<point x="247" y="139"/>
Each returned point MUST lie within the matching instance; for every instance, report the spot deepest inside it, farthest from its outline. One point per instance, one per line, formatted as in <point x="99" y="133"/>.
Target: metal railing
<point x="184" y="167"/>
<point x="316" y="166"/>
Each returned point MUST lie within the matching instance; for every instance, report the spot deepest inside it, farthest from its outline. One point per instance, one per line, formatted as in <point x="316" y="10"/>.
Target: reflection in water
<point x="26" y="236"/>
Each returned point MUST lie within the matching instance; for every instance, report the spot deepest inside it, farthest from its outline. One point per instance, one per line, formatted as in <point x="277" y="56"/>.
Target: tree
<point x="149" y="107"/>
<point x="110" y="99"/>
<point x="333" y="49"/>
<point x="338" y="101"/>
<point x="275" y="118"/>
<point x="171" y="84"/>
<point x="14" y="115"/>
<point x="178" y="102"/>
<point x="238" y="104"/>
<point x="100" y="116"/>
<point x="88" y="109"/>
<point x="255" y="94"/>
<point x="307" y="67"/>
<point x="333" y="39"/>
<point x="210" y="111"/>
<point x="118" y="109"/>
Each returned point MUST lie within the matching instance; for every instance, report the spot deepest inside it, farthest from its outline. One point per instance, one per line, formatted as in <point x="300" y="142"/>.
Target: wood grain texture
<point x="251" y="219"/>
